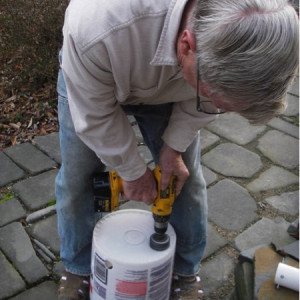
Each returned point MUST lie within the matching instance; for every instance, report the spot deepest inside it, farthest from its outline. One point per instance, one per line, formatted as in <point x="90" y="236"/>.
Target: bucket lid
<point x="124" y="236"/>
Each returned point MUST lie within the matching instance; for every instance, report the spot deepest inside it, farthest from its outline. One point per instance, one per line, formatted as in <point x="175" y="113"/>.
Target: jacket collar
<point x="166" y="51"/>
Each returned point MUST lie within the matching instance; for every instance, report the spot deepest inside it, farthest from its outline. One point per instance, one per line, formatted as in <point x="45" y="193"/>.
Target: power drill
<point x="107" y="188"/>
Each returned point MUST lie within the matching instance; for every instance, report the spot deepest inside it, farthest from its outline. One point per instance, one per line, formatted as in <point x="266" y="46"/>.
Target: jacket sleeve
<point x="98" y="118"/>
<point x="185" y="122"/>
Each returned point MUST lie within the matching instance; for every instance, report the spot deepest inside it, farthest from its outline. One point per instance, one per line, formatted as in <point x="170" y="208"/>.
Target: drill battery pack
<point x="107" y="188"/>
<point x="102" y="193"/>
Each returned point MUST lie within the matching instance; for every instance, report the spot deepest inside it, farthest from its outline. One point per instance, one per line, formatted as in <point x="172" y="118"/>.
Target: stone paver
<point x="209" y="176"/>
<point x="9" y="275"/>
<point x="264" y="232"/>
<point x="272" y="178"/>
<point x="292" y="106"/>
<point x="214" y="241"/>
<point x="9" y="171"/>
<point x="145" y="154"/>
<point x="11" y="210"/>
<point x="235" y="128"/>
<point x="46" y="232"/>
<point x="138" y="134"/>
<point x="216" y="272"/>
<point x="207" y="139"/>
<point x="282" y="149"/>
<point x="232" y="160"/>
<point x="30" y="158"/>
<point x="37" y="191"/>
<point x="46" y="291"/>
<point x="284" y="126"/>
<point x="294" y="88"/>
<point x="50" y="145"/>
<point x="58" y="269"/>
<point x="286" y="202"/>
<point x="16" y="245"/>
<point x="230" y="206"/>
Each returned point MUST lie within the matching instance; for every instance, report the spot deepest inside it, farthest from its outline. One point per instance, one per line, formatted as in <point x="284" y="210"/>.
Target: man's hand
<point x="142" y="189"/>
<point x="171" y="163"/>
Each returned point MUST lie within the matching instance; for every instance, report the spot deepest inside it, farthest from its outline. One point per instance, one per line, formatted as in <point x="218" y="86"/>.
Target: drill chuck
<point x="161" y="223"/>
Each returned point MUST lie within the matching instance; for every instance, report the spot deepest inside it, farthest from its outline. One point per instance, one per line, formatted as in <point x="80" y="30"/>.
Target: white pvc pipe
<point x="287" y="276"/>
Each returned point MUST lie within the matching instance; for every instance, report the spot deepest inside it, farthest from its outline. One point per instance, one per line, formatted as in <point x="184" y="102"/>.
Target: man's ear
<point x="187" y="42"/>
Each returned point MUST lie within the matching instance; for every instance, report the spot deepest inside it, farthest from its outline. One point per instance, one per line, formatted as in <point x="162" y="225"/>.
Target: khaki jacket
<point x="119" y="52"/>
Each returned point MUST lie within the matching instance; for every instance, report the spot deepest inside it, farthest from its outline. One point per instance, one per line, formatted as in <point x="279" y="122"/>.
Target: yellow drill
<point x="107" y="189"/>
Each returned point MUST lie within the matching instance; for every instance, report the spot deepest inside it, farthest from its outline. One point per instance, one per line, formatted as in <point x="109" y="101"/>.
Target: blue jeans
<point x="74" y="191"/>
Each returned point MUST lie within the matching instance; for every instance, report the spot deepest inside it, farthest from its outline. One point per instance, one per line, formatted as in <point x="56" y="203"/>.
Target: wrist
<point x="169" y="149"/>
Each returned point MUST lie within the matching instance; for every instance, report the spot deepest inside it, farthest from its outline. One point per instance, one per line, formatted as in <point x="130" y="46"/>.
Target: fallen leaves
<point x="25" y="116"/>
<point x="30" y="39"/>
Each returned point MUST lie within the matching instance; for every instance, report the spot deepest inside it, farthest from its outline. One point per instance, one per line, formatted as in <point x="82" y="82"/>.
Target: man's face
<point x="205" y="91"/>
<point x="186" y="49"/>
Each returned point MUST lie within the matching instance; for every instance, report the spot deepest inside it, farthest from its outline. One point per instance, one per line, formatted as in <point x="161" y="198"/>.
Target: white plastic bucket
<point x="124" y="267"/>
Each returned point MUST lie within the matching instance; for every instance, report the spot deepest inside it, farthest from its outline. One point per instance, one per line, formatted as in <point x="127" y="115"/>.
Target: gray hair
<point x="247" y="50"/>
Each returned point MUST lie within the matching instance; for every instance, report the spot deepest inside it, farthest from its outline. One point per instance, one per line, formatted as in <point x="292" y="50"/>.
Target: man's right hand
<point x="142" y="189"/>
<point x="171" y="163"/>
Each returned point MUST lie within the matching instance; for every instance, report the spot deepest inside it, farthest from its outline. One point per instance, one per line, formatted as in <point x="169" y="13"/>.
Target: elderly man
<point x="174" y="65"/>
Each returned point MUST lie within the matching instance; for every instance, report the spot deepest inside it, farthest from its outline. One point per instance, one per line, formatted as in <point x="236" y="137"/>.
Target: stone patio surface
<point x="253" y="196"/>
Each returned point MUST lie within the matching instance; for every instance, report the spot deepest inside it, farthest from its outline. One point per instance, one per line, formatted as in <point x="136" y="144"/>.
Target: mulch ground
<point x="25" y="115"/>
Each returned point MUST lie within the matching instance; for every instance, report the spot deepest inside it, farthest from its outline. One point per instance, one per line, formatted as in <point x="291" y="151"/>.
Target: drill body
<point x="161" y="210"/>
<point x="107" y="189"/>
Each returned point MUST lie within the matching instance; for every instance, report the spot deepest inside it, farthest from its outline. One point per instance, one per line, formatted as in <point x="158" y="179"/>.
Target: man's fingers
<point x="179" y="185"/>
<point x="165" y="180"/>
<point x="180" y="180"/>
<point x="141" y="189"/>
<point x="148" y="198"/>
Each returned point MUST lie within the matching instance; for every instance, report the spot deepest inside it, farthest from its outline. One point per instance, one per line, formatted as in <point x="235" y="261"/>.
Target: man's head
<point x="246" y="51"/>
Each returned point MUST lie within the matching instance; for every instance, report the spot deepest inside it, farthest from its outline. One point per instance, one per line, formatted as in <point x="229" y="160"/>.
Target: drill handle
<point x="162" y="205"/>
<point x="116" y="188"/>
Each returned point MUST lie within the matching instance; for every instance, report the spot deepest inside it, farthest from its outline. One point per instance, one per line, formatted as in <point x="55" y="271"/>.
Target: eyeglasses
<point x="205" y="102"/>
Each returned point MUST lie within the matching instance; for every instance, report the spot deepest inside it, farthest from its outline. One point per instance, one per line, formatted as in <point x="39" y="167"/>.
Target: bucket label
<point x="131" y="289"/>
<point x="133" y="285"/>
<point x="100" y="290"/>
<point x="100" y="269"/>
<point x="160" y="277"/>
<point x="150" y="284"/>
